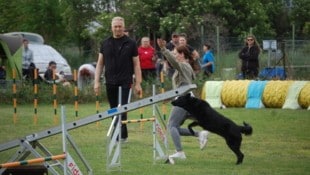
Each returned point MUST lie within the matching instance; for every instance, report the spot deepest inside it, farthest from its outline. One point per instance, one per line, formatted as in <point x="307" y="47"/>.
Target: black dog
<point x="209" y="119"/>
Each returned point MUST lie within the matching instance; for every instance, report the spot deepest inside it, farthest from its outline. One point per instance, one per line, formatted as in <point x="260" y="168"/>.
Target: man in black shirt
<point x="119" y="57"/>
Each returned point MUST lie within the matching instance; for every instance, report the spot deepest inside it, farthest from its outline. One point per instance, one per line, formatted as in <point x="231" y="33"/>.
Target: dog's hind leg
<point x="190" y="127"/>
<point x="234" y="144"/>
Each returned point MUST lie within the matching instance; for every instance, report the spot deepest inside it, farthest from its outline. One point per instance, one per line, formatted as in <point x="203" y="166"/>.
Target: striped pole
<point x="35" y="101"/>
<point x="55" y="98"/>
<point x="14" y="97"/>
<point x="141" y="111"/>
<point x="75" y="93"/>
<point x="164" y="108"/>
<point x="97" y="107"/>
<point x="138" y="120"/>
<point x="33" y="161"/>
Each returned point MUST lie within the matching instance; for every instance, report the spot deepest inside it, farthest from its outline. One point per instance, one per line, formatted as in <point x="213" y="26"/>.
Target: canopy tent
<point x="11" y="55"/>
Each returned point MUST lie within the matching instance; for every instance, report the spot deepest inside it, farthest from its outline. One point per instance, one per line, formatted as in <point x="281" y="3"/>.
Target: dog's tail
<point x="246" y="129"/>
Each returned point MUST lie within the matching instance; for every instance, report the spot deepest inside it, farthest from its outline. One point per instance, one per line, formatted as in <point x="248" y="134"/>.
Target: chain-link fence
<point x="294" y="55"/>
<point x="291" y="56"/>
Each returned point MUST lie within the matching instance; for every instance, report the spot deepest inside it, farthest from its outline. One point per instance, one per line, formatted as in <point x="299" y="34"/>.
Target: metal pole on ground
<point x="64" y="133"/>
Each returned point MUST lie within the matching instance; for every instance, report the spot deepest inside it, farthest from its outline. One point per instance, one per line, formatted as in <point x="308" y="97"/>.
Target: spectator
<point x="126" y="32"/>
<point x="119" y="57"/>
<point x="27" y="63"/>
<point x="207" y="66"/>
<point x="86" y="75"/>
<point x="49" y="75"/>
<point x="249" y="57"/>
<point x="174" y="42"/>
<point x="147" y="59"/>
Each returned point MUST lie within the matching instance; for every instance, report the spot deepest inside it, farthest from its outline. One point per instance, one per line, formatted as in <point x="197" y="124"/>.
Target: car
<point x="43" y="54"/>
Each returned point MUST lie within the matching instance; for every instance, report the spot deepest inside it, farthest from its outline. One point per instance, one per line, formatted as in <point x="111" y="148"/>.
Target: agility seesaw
<point x="97" y="117"/>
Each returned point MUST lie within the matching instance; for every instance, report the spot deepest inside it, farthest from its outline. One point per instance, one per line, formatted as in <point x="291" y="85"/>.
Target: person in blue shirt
<point x="207" y="66"/>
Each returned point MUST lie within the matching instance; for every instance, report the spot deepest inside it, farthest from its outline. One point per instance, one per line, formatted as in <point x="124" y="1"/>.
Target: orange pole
<point x="32" y="161"/>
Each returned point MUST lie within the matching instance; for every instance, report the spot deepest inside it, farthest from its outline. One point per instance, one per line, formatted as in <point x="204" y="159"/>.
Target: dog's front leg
<point x="193" y="124"/>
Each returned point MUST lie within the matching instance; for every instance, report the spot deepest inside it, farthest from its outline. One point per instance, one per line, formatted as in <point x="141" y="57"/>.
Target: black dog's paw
<point x="240" y="159"/>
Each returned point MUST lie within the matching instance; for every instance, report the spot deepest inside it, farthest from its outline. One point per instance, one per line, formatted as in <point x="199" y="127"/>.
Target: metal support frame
<point x="28" y="143"/>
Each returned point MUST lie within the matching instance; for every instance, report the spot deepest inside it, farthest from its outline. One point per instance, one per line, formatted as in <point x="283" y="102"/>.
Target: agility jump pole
<point x="32" y="161"/>
<point x="55" y="98"/>
<point x="76" y="104"/>
<point x="141" y="111"/>
<point x="14" y="97"/>
<point x="162" y="83"/>
<point x="97" y="107"/>
<point x="35" y="99"/>
<point x="138" y="120"/>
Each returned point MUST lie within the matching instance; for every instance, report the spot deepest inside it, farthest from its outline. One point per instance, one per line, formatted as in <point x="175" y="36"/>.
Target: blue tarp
<point x="272" y="73"/>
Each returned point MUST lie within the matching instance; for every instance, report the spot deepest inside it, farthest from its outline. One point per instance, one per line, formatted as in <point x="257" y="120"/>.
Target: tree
<point x="41" y="17"/>
<point x="163" y="17"/>
<point x="301" y="16"/>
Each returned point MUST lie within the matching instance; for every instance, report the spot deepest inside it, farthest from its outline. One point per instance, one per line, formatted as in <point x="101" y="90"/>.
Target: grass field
<point x="280" y="143"/>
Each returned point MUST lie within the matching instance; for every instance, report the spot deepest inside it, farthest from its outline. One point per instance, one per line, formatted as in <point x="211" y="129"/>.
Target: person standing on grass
<point x="249" y="57"/>
<point x="147" y="59"/>
<point x="183" y="75"/>
<point x="174" y="42"/>
<point x="119" y="57"/>
<point x="207" y="66"/>
<point x="27" y="63"/>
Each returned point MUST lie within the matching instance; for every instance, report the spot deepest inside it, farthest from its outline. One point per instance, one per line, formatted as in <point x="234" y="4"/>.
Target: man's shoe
<point x="203" y="139"/>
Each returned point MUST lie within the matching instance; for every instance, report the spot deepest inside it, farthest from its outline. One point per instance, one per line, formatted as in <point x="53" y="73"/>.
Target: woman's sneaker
<point x="179" y="155"/>
<point x="203" y="139"/>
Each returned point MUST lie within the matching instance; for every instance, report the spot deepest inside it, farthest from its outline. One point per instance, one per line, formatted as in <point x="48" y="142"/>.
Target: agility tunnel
<point x="257" y="94"/>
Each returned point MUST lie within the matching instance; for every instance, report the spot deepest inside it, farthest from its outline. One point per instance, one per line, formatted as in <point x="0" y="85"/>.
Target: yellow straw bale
<point x="275" y="93"/>
<point x="234" y="93"/>
<point x="304" y="96"/>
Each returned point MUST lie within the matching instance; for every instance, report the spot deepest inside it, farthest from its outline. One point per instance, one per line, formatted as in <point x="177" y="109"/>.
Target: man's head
<point x="175" y="38"/>
<point x="145" y="42"/>
<point x="25" y="42"/>
<point x="118" y="27"/>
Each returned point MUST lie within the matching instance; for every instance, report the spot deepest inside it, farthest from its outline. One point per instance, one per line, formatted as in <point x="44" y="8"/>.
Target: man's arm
<point x="98" y="72"/>
<point x="138" y="77"/>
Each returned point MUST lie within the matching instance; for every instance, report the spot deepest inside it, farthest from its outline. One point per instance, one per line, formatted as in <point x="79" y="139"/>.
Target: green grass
<point x="280" y="143"/>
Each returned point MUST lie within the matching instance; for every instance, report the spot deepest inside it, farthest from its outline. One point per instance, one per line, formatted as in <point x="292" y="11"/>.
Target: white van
<point x="43" y="54"/>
